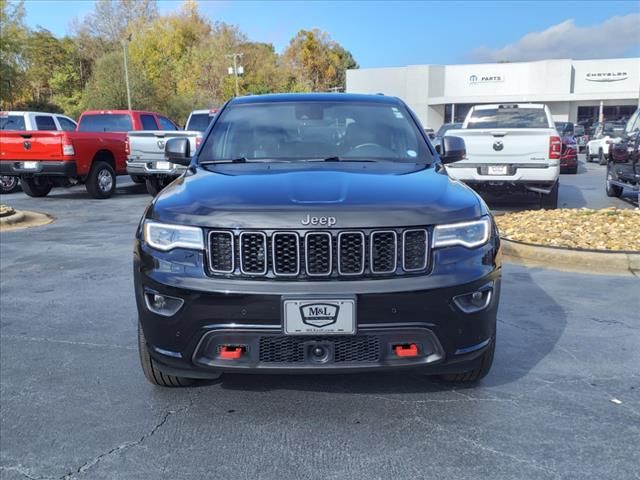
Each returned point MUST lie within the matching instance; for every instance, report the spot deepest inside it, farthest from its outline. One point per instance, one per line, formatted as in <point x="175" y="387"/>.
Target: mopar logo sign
<point x="319" y="314"/>
<point x="485" y="79"/>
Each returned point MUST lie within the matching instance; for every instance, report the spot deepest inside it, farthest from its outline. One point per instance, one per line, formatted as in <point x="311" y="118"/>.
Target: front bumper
<point x="43" y="167"/>
<point x="417" y="310"/>
<point x="145" y="168"/>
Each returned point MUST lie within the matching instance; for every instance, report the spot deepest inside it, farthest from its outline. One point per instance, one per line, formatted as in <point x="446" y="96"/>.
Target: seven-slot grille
<point x="319" y="254"/>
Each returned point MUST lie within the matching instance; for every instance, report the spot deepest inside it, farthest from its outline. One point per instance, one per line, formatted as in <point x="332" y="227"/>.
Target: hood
<point x="286" y="195"/>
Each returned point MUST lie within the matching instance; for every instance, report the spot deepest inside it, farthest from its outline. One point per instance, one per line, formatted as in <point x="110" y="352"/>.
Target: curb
<point x="604" y="263"/>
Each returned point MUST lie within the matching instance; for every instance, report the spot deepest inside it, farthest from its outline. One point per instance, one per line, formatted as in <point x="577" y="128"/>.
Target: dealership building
<point x="575" y="90"/>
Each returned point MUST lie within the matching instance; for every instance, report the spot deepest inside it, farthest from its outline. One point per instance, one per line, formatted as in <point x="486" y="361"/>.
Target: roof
<point x="316" y="97"/>
<point x="126" y="112"/>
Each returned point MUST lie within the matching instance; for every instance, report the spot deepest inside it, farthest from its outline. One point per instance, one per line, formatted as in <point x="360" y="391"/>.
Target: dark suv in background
<point x="623" y="168"/>
<point x="316" y="233"/>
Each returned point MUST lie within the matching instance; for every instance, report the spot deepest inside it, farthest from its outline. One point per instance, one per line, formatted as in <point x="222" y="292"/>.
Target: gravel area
<point x="606" y="229"/>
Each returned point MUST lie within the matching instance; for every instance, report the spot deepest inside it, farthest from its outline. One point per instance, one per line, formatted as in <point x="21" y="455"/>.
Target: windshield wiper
<point x="340" y="159"/>
<point x="235" y="160"/>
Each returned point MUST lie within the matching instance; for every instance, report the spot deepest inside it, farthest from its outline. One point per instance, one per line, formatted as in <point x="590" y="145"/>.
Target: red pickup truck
<point x="93" y="154"/>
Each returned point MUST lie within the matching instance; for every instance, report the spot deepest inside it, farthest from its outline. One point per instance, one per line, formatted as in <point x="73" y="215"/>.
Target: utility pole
<point x="126" y="69"/>
<point x="236" y="70"/>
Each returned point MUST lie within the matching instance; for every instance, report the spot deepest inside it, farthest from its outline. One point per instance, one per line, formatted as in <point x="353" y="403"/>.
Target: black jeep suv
<point x="316" y="233"/>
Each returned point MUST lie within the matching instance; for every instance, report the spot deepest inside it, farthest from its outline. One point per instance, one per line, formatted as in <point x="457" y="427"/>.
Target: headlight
<point x="162" y="236"/>
<point x="467" y="234"/>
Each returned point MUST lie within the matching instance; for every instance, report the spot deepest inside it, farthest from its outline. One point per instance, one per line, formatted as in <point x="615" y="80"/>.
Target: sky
<point x="386" y="34"/>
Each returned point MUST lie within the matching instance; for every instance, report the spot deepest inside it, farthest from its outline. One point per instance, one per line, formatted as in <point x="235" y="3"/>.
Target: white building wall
<point x="563" y="84"/>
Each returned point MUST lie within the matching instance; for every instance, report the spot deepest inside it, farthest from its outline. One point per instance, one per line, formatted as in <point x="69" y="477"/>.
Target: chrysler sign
<point x="606" y="76"/>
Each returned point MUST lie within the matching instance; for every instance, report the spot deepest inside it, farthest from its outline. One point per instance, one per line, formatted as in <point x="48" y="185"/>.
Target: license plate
<point x="497" y="170"/>
<point x="30" y="165"/>
<point x="320" y="316"/>
<point x="164" y="165"/>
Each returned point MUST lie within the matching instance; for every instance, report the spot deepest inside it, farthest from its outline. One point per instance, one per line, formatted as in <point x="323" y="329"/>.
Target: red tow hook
<point x="406" y="350"/>
<point x="228" y="352"/>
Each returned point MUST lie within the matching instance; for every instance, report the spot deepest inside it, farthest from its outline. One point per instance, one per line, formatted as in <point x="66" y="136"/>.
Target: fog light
<point x="473" y="302"/>
<point x="162" y="304"/>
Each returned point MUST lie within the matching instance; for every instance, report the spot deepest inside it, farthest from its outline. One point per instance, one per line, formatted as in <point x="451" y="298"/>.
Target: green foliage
<point x="177" y="62"/>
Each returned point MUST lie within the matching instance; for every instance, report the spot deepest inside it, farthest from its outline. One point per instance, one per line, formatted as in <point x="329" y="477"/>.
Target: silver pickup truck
<point x="146" y="157"/>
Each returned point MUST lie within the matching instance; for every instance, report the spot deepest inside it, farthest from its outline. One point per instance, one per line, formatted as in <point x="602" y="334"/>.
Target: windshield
<point x="613" y="128"/>
<point x="509" y="117"/>
<point x="12" y="122"/>
<point x="446" y="127"/>
<point x="315" y="130"/>
<point x="107" y="122"/>
<point x="199" y="122"/>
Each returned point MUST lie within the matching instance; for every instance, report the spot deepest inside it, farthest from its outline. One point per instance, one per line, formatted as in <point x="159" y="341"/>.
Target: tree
<point x="316" y="62"/>
<point x="106" y="88"/>
<point x="13" y="34"/>
<point x="111" y="20"/>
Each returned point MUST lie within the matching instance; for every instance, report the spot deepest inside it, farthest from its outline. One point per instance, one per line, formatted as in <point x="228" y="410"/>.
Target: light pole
<point x="235" y="70"/>
<point x="126" y="69"/>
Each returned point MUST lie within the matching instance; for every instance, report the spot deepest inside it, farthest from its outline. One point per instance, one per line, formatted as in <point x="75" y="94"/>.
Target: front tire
<point x="36" y="186"/>
<point x="101" y="182"/>
<point x="476" y="374"/>
<point x="155" y="185"/>
<point x="8" y="184"/>
<point x="612" y="190"/>
<point x="152" y="373"/>
<point x="602" y="158"/>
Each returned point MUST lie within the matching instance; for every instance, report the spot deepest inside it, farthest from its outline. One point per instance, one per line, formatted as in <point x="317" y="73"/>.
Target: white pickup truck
<point x="30" y="121"/>
<point x="145" y="150"/>
<point x="510" y="147"/>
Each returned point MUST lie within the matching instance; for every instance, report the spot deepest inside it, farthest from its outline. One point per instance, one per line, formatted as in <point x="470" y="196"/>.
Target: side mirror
<point x="452" y="149"/>
<point x="176" y="151"/>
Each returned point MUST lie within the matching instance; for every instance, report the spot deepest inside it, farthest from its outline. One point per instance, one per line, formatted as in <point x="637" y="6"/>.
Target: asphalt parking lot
<point x="562" y="401"/>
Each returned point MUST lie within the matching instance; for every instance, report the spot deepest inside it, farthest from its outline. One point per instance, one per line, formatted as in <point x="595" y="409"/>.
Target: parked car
<point x="199" y="120"/>
<point x="145" y="150"/>
<point x="442" y="131"/>
<point x="623" y="168"/>
<point x="580" y="136"/>
<point x="29" y="121"/>
<point x="565" y="128"/>
<point x="604" y="135"/>
<point x="568" y="155"/>
<point x="512" y="147"/>
<point x="93" y="154"/>
<point x="295" y="246"/>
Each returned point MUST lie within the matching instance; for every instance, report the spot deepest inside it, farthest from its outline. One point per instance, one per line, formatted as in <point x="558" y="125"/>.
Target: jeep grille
<point x="317" y="255"/>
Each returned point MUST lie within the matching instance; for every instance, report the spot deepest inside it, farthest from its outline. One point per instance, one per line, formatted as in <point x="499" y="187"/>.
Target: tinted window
<point x="199" y="122"/>
<point x="45" y="123"/>
<point x="522" y="117"/>
<point x="447" y="126"/>
<point x="613" y="128"/>
<point x="578" y="130"/>
<point x="166" y="124"/>
<point x="316" y="130"/>
<point x="148" y="122"/>
<point x="105" y="122"/>
<point x="12" y="122"/>
<point x="66" y="124"/>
